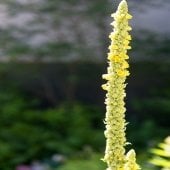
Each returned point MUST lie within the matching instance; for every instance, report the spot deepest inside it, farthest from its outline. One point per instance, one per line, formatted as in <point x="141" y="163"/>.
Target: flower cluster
<point x="117" y="72"/>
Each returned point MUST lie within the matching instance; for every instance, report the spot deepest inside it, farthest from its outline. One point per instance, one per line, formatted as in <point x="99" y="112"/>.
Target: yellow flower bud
<point x="131" y="161"/>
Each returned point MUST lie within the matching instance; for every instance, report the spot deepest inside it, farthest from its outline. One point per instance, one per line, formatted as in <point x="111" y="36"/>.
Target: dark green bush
<point x="28" y="133"/>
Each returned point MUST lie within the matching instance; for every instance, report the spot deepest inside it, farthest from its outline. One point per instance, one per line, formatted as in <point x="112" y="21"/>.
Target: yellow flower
<point x="117" y="72"/>
<point x="115" y="58"/>
<point x="125" y="65"/>
<point x="122" y="73"/>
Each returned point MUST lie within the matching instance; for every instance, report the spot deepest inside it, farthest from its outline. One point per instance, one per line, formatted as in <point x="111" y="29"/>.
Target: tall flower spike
<point x="115" y="106"/>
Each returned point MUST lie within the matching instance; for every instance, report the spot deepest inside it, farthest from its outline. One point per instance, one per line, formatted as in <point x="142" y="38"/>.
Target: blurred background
<point x="52" y="56"/>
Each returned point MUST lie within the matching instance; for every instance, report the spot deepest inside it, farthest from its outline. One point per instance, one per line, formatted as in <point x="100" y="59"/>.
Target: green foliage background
<point x="35" y="126"/>
<point x="28" y="133"/>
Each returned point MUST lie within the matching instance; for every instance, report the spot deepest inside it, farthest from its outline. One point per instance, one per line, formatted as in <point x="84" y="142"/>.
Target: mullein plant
<point x="117" y="72"/>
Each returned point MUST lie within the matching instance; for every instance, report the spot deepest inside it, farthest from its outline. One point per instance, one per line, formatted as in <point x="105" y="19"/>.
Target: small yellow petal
<point x="125" y="65"/>
<point x="122" y="15"/>
<point x="113" y="47"/>
<point x="117" y="59"/>
<point x="113" y="23"/>
<point x="110" y="55"/>
<point x="112" y="36"/>
<point x="126" y="42"/>
<point x="123" y="73"/>
<point x="113" y="15"/>
<point x="129" y="28"/>
<point x="128" y="37"/>
<point x="114" y="58"/>
<point x="128" y="47"/>
<point x="105" y="87"/>
<point x="125" y="56"/>
<point x="106" y="76"/>
<point x="128" y="16"/>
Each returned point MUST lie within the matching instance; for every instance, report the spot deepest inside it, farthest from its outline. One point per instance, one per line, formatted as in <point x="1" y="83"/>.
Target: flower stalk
<point x="117" y="72"/>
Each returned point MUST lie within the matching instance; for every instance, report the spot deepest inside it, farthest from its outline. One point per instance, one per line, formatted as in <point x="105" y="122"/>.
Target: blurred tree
<point x="63" y="30"/>
<point x="47" y="29"/>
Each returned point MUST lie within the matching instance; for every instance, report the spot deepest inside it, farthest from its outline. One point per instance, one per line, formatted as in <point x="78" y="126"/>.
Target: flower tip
<point x="123" y="5"/>
<point x="123" y="2"/>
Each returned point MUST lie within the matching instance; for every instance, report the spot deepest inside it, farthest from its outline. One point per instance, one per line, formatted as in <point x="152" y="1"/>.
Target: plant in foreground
<point x="115" y="154"/>
<point x="162" y="155"/>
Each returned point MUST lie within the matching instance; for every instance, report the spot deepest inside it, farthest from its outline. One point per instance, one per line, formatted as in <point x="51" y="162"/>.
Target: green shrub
<point x="28" y="133"/>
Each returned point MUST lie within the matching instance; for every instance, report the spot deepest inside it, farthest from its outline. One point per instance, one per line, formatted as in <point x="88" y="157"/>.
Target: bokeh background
<point x="52" y="56"/>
